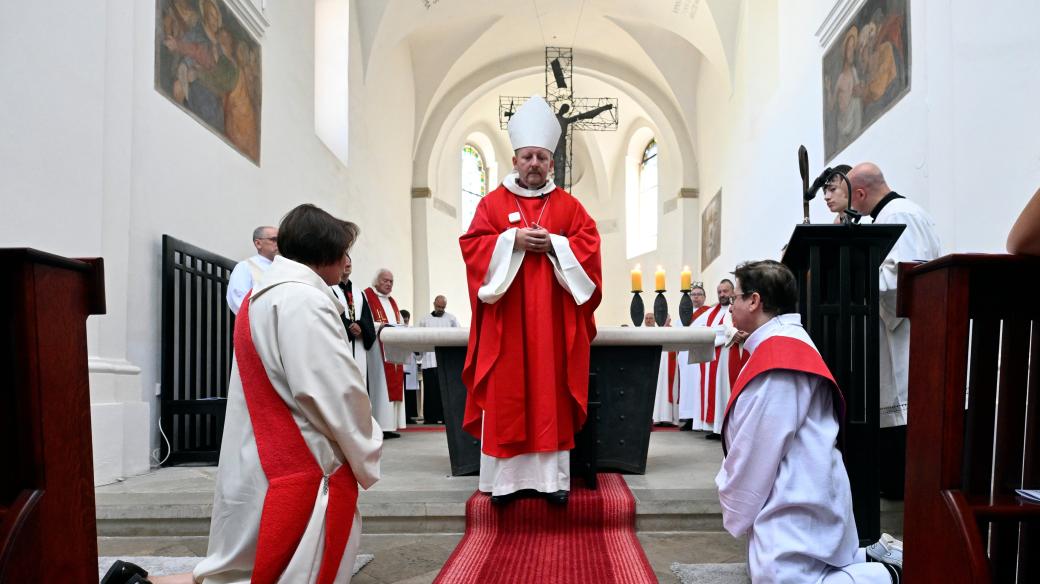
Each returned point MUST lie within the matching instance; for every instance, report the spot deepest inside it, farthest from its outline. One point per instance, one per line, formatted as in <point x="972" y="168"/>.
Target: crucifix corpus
<point x="574" y="113"/>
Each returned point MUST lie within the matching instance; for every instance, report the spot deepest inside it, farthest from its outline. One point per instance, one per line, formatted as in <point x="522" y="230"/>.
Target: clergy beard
<point x="438" y="313"/>
<point x="524" y="185"/>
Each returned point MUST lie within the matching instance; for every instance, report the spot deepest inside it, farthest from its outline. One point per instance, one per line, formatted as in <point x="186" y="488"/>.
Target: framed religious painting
<point x="711" y="230"/>
<point x="208" y="64"/>
<point x="866" y="71"/>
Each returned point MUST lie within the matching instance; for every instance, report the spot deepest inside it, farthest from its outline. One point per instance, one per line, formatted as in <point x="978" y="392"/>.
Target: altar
<point x="623" y="379"/>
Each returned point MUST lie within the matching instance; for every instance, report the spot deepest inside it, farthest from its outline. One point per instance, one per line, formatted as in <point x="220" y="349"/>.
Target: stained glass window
<point x="474" y="182"/>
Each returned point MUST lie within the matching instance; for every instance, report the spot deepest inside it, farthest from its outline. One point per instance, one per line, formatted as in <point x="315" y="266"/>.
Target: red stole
<point x="394" y="372"/>
<point x="293" y="475"/>
<point x="527" y="363"/>
<point x="788" y="354"/>
<point x="671" y="377"/>
<point x="708" y="375"/>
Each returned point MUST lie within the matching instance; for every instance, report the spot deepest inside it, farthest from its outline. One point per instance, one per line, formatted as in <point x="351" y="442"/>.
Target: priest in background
<point x="385" y="378"/>
<point x="718" y="376"/>
<point x="666" y="407"/>
<point x="532" y="258"/>
<point x="919" y="242"/>
<point x="433" y="407"/>
<point x="357" y="319"/>
<point x="690" y="373"/>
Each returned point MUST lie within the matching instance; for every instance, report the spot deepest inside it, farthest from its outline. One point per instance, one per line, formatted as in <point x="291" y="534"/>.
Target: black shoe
<point x="687" y="426"/>
<point x="712" y="436"/>
<point x="125" y="573"/>
<point x="500" y="500"/>
<point x="558" y="498"/>
<point x="389" y="435"/>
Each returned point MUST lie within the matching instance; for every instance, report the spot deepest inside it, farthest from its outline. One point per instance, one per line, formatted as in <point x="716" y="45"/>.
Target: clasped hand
<point x="534" y="239"/>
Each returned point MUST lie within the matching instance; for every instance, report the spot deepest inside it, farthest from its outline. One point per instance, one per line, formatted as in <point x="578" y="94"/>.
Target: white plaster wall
<point x="93" y="161"/>
<point x="962" y="142"/>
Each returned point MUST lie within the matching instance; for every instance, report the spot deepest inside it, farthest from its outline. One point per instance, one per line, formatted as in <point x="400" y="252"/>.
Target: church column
<point x="119" y="415"/>
<point x="422" y="198"/>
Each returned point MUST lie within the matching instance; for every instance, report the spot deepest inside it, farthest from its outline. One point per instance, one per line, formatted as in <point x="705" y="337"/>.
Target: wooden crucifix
<point x="573" y="113"/>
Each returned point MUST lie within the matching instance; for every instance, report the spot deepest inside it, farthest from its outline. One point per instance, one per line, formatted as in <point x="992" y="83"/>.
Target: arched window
<point x="331" y="71"/>
<point x="642" y="203"/>
<point x="474" y="182"/>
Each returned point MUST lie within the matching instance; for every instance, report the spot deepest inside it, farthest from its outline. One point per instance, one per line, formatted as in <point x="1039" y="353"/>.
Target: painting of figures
<point x="209" y="65"/>
<point x="711" y="231"/>
<point x="866" y="71"/>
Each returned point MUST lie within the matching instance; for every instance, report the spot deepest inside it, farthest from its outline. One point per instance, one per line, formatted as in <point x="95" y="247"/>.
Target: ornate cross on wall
<point x="574" y="113"/>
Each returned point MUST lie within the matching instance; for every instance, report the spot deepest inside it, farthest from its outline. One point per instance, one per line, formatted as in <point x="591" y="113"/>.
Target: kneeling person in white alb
<point x="783" y="483"/>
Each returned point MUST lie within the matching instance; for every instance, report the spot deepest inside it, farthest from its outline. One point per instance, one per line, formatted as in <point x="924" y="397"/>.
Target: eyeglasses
<point x="741" y="294"/>
<point x="271" y="239"/>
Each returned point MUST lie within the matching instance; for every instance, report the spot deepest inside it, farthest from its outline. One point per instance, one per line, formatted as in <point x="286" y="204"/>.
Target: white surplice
<point x="241" y="280"/>
<point x="919" y="242"/>
<point x="665" y="411"/>
<point x="783" y="483"/>
<point x="299" y="337"/>
<point x="689" y="380"/>
<point x="390" y="414"/>
<point x="546" y="472"/>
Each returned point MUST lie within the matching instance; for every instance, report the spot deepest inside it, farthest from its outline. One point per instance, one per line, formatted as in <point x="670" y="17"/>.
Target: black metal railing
<point x="196" y="351"/>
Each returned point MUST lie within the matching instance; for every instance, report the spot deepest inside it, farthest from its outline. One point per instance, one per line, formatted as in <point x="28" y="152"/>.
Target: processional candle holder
<point x="636" y="310"/>
<point x="660" y="308"/>
<point x="686" y="307"/>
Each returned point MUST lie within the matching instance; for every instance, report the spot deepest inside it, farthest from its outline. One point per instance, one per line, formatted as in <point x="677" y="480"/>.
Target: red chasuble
<point x="293" y="474"/>
<point x="394" y="372"/>
<point x="788" y="354"/>
<point x="527" y="365"/>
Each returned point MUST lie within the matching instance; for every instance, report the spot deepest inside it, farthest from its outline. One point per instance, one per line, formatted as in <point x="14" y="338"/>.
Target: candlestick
<point x="686" y="308"/>
<point x="635" y="310"/>
<point x="637" y="279"/>
<point x="659" y="279"/>
<point x="685" y="277"/>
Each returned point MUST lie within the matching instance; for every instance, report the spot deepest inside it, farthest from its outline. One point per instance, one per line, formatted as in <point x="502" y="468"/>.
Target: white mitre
<point x="534" y="124"/>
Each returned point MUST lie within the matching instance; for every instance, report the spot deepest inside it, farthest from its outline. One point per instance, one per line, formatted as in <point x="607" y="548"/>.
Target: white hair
<point x="380" y="272"/>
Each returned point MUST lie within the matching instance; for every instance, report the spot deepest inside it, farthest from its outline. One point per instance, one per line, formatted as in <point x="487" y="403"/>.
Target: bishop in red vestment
<point x="533" y="270"/>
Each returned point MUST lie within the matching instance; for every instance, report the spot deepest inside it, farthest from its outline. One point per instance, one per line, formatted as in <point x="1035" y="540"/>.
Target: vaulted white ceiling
<point x="463" y="49"/>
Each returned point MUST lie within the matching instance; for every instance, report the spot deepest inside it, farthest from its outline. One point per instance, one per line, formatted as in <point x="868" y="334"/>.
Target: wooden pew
<point x="47" y="517"/>
<point x="973" y="435"/>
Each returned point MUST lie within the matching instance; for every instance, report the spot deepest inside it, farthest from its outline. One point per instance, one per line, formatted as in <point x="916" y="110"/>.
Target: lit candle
<point x="685" y="278"/>
<point x="659" y="278"/>
<point x="637" y="279"/>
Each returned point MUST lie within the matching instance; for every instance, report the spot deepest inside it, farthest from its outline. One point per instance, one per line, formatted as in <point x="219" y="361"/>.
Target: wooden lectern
<point x="837" y="271"/>
<point x="975" y="328"/>
<point x="47" y="517"/>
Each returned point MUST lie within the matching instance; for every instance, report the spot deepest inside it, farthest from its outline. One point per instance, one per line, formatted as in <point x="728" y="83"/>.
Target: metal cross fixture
<point x="574" y="113"/>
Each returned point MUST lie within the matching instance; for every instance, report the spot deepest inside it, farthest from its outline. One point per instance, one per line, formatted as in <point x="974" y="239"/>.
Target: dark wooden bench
<point x="973" y="435"/>
<point x="47" y="517"/>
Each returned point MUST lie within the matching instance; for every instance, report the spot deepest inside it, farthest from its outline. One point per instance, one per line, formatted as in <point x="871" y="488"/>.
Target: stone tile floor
<point x="414" y="514"/>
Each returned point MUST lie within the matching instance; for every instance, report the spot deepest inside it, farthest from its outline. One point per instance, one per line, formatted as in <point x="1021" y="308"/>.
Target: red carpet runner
<point x="591" y="540"/>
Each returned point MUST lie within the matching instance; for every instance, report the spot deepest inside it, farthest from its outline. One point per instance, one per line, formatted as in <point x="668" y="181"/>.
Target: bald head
<point x="868" y="186"/>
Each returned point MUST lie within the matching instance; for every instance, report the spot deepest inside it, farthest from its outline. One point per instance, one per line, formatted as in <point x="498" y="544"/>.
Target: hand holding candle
<point x="637" y="279"/>
<point x="685" y="278"/>
<point x="659" y="279"/>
